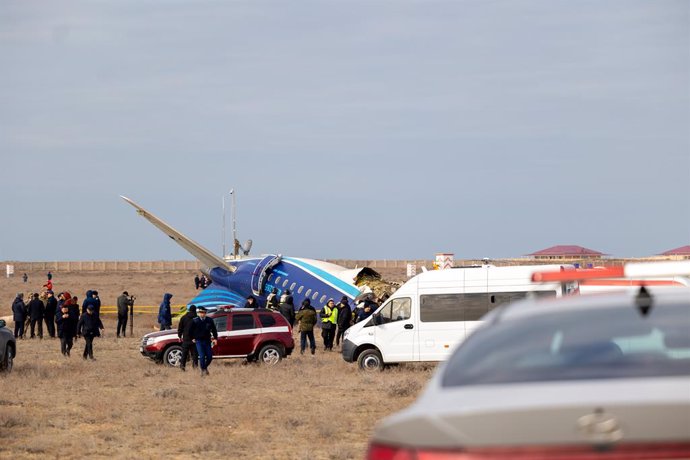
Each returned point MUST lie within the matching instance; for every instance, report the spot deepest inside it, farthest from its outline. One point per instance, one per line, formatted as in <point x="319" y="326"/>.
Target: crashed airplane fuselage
<point x="234" y="281"/>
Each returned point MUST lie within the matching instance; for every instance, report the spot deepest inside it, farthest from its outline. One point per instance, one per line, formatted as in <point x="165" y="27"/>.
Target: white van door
<point x="395" y="334"/>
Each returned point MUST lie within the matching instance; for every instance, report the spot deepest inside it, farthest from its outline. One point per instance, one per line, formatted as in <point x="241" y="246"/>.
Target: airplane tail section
<point x="205" y="256"/>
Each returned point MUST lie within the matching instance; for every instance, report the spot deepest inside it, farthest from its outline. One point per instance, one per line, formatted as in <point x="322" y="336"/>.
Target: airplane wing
<point x="204" y="255"/>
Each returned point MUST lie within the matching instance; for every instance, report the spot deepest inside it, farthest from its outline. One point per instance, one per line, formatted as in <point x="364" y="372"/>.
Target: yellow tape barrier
<point x="150" y="309"/>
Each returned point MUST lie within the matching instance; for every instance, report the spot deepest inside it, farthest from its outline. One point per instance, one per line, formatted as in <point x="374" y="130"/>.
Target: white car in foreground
<point x="580" y="377"/>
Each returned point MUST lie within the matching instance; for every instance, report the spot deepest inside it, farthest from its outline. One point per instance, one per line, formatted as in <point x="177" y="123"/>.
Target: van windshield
<point x="575" y="345"/>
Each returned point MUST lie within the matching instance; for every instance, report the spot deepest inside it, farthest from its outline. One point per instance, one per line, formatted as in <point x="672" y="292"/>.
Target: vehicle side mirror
<point x="2" y="323"/>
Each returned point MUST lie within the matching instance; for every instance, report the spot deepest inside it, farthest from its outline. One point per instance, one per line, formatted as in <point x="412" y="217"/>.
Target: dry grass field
<point x="125" y="406"/>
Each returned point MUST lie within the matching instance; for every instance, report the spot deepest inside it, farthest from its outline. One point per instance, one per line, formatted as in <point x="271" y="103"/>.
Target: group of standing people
<point x="201" y="282"/>
<point x="334" y="319"/>
<point x="61" y="316"/>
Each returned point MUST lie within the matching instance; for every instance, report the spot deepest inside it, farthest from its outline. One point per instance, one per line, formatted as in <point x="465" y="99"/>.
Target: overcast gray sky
<point x="366" y="129"/>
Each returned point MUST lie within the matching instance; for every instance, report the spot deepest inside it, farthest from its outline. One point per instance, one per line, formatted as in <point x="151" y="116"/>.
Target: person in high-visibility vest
<point x="329" y="318"/>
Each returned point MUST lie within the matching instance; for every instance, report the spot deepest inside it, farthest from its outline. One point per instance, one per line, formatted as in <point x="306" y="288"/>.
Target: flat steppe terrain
<point x="123" y="405"/>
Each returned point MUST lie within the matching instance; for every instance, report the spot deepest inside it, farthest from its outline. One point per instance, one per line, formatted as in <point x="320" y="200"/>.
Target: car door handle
<point x="409" y="326"/>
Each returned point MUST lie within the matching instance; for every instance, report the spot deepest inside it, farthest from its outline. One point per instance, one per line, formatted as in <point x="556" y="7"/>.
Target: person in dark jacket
<point x="97" y="303"/>
<point x="197" y="282"/>
<point x="19" y="315"/>
<point x="89" y="300"/>
<point x="164" y="313"/>
<point x="184" y="332"/>
<point x="58" y="311"/>
<point x="205" y="336"/>
<point x="251" y="302"/>
<point x="368" y="308"/>
<point x="67" y="320"/>
<point x="89" y="327"/>
<point x="36" y="309"/>
<point x="344" y="318"/>
<point x="49" y="313"/>
<point x="287" y="309"/>
<point x="307" y="319"/>
<point x="124" y="303"/>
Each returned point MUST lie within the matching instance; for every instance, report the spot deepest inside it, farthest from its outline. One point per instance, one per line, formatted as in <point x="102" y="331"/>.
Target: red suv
<point x="255" y="335"/>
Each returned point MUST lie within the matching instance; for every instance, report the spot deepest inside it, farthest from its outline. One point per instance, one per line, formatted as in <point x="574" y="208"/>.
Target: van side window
<point x="500" y="298"/>
<point x="396" y="310"/>
<point x="452" y="307"/>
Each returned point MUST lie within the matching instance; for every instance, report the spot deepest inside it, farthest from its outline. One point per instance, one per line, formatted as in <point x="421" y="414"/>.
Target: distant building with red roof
<point x="681" y="253"/>
<point x="566" y="252"/>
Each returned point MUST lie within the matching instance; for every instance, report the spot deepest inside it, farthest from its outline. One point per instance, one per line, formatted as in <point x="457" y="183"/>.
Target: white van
<point x="436" y="310"/>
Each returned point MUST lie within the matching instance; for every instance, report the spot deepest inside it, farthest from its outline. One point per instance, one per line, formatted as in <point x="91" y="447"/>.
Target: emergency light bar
<point x="632" y="270"/>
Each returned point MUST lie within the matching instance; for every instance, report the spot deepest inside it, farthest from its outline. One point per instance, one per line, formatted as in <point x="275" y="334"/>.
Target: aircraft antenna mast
<point x="234" y="224"/>
<point x="223" y="235"/>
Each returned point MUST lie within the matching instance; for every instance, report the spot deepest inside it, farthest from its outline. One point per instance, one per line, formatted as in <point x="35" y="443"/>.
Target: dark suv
<point x="255" y="335"/>
<point x="8" y="348"/>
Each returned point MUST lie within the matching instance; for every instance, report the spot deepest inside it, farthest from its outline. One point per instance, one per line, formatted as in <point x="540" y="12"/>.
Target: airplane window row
<point x="314" y="296"/>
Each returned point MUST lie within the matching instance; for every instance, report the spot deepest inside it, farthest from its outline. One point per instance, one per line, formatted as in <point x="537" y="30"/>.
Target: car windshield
<point x="604" y="343"/>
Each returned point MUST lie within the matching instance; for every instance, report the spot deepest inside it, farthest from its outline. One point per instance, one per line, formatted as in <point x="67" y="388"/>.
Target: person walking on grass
<point x="306" y="316"/>
<point x="67" y="320"/>
<point x="344" y="318"/>
<point x="89" y="327"/>
<point x="36" y="309"/>
<point x="124" y="303"/>
<point x="205" y="336"/>
<point x="19" y="315"/>
<point x="329" y="318"/>
<point x="184" y="333"/>
<point x="164" y="313"/>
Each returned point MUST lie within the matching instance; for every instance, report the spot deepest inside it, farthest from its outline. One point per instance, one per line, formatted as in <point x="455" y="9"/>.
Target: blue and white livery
<point x="235" y="280"/>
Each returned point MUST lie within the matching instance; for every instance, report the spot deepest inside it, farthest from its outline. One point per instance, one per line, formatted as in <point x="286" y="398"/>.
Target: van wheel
<point x="8" y="361"/>
<point x="173" y="356"/>
<point x="270" y="355"/>
<point x="370" y="360"/>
